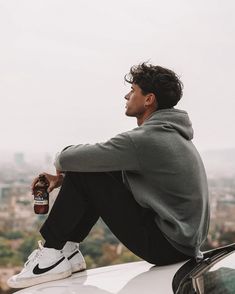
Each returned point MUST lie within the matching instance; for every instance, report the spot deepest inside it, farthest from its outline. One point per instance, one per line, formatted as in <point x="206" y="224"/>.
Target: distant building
<point x="5" y="191"/>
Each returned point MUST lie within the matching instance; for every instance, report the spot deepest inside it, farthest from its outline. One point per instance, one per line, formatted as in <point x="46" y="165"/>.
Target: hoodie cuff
<point x="57" y="159"/>
<point x="57" y="162"/>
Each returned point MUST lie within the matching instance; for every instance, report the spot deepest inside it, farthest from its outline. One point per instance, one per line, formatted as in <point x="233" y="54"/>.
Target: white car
<point x="215" y="274"/>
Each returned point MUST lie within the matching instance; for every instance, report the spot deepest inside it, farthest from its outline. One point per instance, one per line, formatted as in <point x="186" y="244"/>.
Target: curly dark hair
<point x="162" y="82"/>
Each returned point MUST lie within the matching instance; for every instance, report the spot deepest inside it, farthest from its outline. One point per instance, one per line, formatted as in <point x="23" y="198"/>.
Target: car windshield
<point x="214" y="274"/>
<point x="219" y="278"/>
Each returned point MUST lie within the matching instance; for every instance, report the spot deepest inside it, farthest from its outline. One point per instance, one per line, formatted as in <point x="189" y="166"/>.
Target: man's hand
<point x="55" y="181"/>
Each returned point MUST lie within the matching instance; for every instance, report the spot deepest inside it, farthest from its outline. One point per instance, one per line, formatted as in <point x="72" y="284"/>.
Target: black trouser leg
<point x="86" y="196"/>
<point x="71" y="217"/>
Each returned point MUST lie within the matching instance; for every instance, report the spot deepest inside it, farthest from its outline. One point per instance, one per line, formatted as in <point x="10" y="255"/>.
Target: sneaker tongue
<point x="40" y="244"/>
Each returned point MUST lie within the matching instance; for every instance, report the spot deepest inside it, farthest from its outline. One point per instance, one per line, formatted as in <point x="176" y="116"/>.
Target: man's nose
<point x="127" y="96"/>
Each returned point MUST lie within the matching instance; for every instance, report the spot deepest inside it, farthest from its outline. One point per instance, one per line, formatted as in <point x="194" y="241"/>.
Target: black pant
<point x="84" y="197"/>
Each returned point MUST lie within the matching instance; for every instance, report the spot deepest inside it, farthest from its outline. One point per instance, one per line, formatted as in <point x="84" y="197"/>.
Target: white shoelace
<point x="35" y="254"/>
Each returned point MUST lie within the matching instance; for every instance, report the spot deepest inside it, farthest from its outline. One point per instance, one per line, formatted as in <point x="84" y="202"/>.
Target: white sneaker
<point x="43" y="265"/>
<point x="75" y="257"/>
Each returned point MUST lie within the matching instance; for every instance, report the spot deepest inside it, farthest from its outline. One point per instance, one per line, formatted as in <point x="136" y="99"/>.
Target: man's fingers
<point x="51" y="179"/>
<point x="34" y="183"/>
<point x="47" y="176"/>
<point x="37" y="179"/>
<point x="50" y="188"/>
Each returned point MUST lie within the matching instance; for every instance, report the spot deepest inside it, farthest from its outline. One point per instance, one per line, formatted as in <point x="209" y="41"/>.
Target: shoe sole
<point x="78" y="268"/>
<point x="39" y="280"/>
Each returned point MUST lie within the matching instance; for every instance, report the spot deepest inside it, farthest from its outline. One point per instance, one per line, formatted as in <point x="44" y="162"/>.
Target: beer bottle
<point x="41" y="196"/>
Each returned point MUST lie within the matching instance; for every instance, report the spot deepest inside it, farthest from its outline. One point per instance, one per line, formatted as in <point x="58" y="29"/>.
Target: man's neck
<point x="144" y="117"/>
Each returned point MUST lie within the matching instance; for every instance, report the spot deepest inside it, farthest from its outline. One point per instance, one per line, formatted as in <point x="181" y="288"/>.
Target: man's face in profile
<point x="135" y="105"/>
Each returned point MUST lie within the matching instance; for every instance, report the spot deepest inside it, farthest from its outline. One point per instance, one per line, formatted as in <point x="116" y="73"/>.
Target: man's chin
<point x="128" y="113"/>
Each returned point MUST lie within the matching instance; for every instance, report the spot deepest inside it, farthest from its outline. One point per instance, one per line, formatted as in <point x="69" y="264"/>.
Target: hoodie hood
<point x="175" y="118"/>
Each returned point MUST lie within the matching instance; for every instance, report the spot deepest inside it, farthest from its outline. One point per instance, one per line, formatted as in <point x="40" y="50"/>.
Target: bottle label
<point x="40" y="202"/>
<point x="41" y="198"/>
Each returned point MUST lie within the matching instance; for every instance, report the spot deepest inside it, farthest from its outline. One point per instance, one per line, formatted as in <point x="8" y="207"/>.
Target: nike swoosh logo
<point x="72" y="255"/>
<point x="37" y="270"/>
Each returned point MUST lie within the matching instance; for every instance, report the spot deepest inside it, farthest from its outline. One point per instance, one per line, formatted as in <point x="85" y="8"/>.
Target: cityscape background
<point x="19" y="225"/>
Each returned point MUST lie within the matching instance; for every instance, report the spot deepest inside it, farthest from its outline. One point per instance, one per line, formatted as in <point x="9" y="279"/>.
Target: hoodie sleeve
<point x="116" y="154"/>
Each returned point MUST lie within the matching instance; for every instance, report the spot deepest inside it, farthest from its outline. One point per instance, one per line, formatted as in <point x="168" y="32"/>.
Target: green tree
<point x="8" y="257"/>
<point x="29" y="244"/>
<point x="13" y="235"/>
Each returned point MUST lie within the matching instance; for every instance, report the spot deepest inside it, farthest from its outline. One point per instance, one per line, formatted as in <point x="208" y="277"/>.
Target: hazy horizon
<point x="62" y="65"/>
<point x="224" y="154"/>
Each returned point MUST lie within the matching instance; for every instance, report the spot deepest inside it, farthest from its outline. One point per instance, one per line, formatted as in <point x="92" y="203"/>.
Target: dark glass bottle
<point x="41" y="196"/>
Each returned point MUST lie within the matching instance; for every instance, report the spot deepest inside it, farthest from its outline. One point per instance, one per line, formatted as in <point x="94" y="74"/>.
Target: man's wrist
<point x="60" y="173"/>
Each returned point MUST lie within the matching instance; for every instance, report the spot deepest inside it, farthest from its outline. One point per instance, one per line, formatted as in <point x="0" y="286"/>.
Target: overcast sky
<point x="62" y="65"/>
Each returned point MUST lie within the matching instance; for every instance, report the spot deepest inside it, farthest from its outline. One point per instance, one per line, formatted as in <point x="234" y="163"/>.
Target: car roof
<point x="130" y="278"/>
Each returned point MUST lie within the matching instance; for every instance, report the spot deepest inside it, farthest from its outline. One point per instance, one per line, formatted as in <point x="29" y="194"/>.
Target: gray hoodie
<point x="163" y="169"/>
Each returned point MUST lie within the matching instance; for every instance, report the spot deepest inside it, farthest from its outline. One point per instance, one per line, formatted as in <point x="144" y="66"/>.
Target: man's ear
<point x="150" y="100"/>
